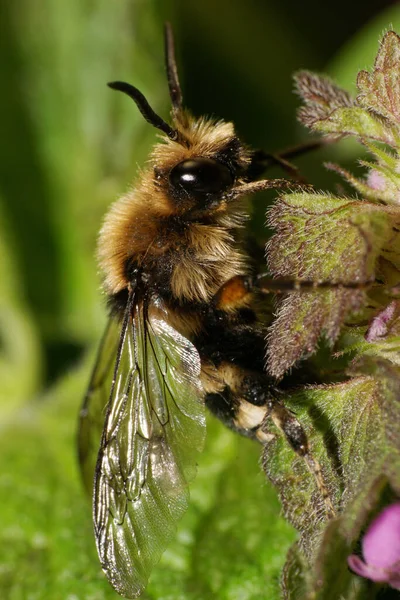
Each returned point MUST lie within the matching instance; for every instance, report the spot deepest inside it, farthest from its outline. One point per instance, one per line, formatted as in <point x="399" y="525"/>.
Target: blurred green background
<point x="69" y="146"/>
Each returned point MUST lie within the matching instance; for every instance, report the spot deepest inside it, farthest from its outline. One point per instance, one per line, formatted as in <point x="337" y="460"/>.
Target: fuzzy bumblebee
<point x="183" y="335"/>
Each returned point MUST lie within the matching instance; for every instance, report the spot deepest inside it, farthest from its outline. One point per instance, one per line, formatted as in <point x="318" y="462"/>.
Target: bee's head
<point x="202" y="160"/>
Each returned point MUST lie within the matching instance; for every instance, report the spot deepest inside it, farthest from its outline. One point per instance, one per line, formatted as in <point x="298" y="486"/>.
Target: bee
<point x="183" y="335"/>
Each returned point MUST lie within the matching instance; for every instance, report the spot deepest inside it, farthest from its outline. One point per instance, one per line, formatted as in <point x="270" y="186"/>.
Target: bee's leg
<point x="294" y="433"/>
<point x="245" y="401"/>
<point x="261" y="161"/>
<point x="241" y="288"/>
<point x="238" y="391"/>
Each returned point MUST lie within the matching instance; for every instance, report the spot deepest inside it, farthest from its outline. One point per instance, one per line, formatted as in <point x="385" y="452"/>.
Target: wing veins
<point x="141" y="473"/>
<point x="124" y="328"/>
<point x="165" y="383"/>
<point x="147" y="339"/>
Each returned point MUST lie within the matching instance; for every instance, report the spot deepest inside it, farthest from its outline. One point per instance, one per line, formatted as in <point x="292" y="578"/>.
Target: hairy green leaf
<point x="379" y="91"/>
<point x="375" y="114"/>
<point x="354" y="432"/>
<point x="320" y="238"/>
<point x="321" y="96"/>
<point x="358" y="122"/>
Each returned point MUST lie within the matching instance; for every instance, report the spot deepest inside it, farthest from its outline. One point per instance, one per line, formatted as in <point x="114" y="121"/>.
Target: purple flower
<point x="379" y="326"/>
<point x="376" y="180"/>
<point x="381" y="549"/>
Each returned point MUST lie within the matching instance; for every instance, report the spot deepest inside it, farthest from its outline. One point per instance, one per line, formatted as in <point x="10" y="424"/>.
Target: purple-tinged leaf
<point x="380" y="90"/>
<point x="321" y="96"/>
<point x="323" y="239"/>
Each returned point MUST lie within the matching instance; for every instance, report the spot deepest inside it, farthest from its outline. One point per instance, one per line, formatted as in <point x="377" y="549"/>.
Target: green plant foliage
<point x="359" y="52"/>
<point x="69" y="147"/>
<point x="320" y="238"/>
<point x="353" y="425"/>
<point x="46" y="540"/>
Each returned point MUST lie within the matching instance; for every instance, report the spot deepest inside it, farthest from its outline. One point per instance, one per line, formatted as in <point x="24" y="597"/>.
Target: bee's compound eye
<point x="200" y="177"/>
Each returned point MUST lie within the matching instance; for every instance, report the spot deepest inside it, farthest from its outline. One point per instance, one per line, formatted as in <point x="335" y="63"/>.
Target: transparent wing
<point x="93" y="412"/>
<point x="153" y="432"/>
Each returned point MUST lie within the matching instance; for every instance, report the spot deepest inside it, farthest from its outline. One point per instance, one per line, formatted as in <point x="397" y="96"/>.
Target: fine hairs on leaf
<point x="321" y="95"/>
<point x="352" y="411"/>
<point x="379" y="91"/>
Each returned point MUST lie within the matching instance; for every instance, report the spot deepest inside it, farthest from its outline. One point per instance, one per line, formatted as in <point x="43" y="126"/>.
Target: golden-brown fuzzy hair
<point x="134" y="228"/>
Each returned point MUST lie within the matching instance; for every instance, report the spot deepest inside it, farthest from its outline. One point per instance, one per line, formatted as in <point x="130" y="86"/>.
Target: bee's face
<point x="200" y="159"/>
<point x="196" y="177"/>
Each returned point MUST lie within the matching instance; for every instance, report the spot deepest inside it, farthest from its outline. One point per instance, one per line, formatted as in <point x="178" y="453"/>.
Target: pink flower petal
<point x="369" y="572"/>
<point x="376" y="180"/>
<point x="381" y="543"/>
<point x="378" y="327"/>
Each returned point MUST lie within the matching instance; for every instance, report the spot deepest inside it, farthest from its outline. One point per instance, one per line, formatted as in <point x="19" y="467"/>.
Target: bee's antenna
<point x="144" y="107"/>
<point x="172" y="72"/>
